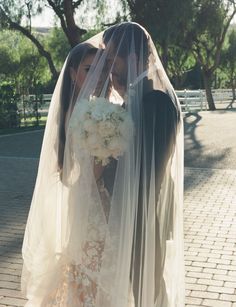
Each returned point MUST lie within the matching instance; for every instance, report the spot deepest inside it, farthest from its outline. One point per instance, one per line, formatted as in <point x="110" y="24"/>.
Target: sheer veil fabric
<point x="109" y="235"/>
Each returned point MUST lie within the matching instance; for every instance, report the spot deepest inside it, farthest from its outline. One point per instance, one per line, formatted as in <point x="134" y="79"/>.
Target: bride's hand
<point x="98" y="170"/>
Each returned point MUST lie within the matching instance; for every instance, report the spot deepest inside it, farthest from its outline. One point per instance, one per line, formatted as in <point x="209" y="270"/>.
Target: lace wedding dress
<point x="118" y="241"/>
<point x="76" y="288"/>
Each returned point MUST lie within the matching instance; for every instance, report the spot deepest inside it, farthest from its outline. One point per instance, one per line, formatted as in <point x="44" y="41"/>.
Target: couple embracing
<point x="105" y="223"/>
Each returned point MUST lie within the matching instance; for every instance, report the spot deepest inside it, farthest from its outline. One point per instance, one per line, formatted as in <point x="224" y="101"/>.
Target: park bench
<point x="222" y="95"/>
<point x="191" y="100"/>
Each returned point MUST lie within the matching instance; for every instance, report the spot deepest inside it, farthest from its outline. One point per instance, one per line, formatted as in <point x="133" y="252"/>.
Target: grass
<point x="32" y="121"/>
<point x="26" y="125"/>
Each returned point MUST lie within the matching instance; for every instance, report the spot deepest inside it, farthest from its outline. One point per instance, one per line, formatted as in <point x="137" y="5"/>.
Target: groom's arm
<point x="160" y="128"/>
<point x="160" y="119"/>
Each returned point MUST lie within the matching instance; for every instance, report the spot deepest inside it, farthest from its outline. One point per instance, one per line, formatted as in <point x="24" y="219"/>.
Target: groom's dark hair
<point x="121" y="36"/>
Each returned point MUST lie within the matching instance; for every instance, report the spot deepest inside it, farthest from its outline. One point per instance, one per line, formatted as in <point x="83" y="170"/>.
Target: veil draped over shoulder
<point x="106" y="231"/>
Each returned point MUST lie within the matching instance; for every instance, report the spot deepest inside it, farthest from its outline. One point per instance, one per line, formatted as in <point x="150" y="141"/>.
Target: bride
<point x="105" y="224"/>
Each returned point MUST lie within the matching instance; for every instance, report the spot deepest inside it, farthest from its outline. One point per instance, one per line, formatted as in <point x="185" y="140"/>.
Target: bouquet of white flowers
<point x="103" y="128"/>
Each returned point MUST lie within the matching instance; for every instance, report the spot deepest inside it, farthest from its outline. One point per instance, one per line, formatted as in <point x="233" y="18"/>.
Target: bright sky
<point x="46" y="19"/>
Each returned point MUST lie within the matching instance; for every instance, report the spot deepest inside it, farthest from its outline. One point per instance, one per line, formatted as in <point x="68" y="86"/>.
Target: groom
<point x="127" y="46"/>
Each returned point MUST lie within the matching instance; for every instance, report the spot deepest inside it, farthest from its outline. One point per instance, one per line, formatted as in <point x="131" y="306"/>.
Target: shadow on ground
<point x="195" y="152"/>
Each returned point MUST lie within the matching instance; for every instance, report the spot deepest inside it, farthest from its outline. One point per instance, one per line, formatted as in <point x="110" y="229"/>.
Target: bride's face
<point x="78" y="76"/>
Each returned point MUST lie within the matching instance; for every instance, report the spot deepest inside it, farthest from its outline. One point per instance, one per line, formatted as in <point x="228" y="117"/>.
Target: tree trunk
<point x="164" y="56"/>
<point x="67" y="20"/>
<point x="177" y="81"/>
<point x="73" y="32"/>
<point x="39" y="46"/>
<point x="16" y="26"/>
<point x="233" y="89"/>
<point x="207" y="83"/>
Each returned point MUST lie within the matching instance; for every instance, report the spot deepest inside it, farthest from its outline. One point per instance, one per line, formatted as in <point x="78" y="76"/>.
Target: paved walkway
<point x="210" y="237"/>
<point x="209" y="216"/>
<point x="16" y="185"/>
<point x="210" y="139"/>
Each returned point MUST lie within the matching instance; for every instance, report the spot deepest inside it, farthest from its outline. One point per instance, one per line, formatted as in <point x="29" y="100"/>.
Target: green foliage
<point x="23" y="71"/>
<point x="229" y="53"/>
<point x="18" y="10"/>
<point x="209" y="16"/>
<point x="20" y="62"/>
<point x="179" y="63"/>
<point x="184" y="28"/>
<point x="193" y="78"/>
<point x="206" y="34"/>
<point x="8" y="64"/>
<point x="58" y="46"/>
<point x="13" y="8"/>
<point x="9" y="115"/>
<point x="164" y="20"/>
<point x="167" y="22"/>
<point x="228" y="60"/>
<point x="90" y="33"/>
<point x="31" y="106"/>
<point x="181" y="29"/>
<point x="95" y="14"/>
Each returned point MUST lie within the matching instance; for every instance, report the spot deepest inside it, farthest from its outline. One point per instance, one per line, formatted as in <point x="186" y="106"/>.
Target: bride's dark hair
<point x="68" y="92"/>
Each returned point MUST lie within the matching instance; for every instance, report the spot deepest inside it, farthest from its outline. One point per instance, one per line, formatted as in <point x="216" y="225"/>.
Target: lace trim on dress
<point x="78" y="285"/>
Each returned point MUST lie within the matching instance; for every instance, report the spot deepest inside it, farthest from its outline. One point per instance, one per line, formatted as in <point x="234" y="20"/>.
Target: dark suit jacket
<point x="160" y="119"/>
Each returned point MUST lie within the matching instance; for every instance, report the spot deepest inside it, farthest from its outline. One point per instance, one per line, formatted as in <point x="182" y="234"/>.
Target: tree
<point x="9" y="116"/>
<point x="167" y="22"/>
<point x="58" y="46"/>
<point x="199" y="26"/>
<point x="12" y="15"/>
<point x="206" y="37"/>
<point x="180" y="62"/>
<point x="229" y="61"/>
<point x="20" y="63"/>
<point x="163" y="21"/>
<point x="23" y="72"/>
<point x="17" y="15"/>
<point x="65" y="11"/>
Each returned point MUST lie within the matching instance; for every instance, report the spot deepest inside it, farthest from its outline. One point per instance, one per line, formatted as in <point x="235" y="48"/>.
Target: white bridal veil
<point x="109" y="234"/>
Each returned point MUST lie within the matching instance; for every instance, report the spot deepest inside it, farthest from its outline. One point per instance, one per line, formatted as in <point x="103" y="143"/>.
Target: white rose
<point x="89" y="125"/>
<point x="96" y="113"/>
<point x="106" y="128"/>
<point x="93" y="140"/>
<point x="101" y="153"/>
<point x="114" y="144"/>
